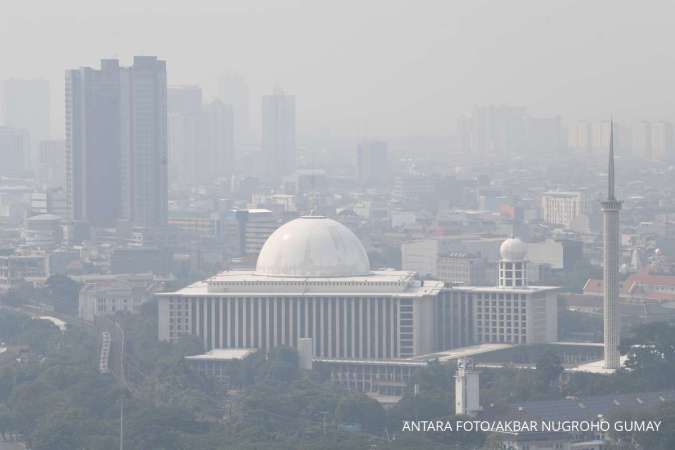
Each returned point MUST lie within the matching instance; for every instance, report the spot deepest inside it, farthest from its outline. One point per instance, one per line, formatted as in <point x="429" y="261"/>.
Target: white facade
<point x="420" y="256"/>
<point x="107" y="296"/>
<point x="562" y="208"/>
<point x="293" y="294"/>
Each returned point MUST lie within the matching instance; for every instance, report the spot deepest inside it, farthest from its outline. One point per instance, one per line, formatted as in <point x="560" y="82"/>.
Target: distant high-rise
<point x="201" y="137"/>
<point x="14" y="149"/>
<point x="611" y="242"/>
<point x="218" y="141"/>
<point x="654" y="141"/>
<point x="26" y="105"/>
<point x="234" y="92"/>
<point x="185" y="106"/>
<point x="278" y="134"/>
<point x="116" y="143"/>
<point x="372" y="163"/>
<point x="52" y="163"/>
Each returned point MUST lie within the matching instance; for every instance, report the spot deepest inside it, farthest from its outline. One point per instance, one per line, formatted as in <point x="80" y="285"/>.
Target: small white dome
<point x="313" y="246"/>
<point x="513" y="250"/>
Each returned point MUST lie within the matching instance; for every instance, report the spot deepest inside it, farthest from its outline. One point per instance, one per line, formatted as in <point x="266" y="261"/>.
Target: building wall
<point x="344" y="327"/>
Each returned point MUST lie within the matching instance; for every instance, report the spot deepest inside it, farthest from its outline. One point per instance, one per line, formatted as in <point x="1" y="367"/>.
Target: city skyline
<point x="425" y="69"/>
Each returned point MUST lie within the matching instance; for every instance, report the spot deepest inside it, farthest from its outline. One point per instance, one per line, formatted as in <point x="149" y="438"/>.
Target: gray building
<point x="116" y="143"/>
<point x="278" y="134"/>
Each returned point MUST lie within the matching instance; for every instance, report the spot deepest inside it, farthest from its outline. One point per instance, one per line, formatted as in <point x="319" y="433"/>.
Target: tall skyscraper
<point x="51" y="169"/>
<point x="26" y="105"/>
<point x="610" y="211"/>
<point x="234" y="92"/>
<point x="14" y="149"/>
<point x="278" y="134"/>
<point x="372" y="163"/>
<point x="655" y="140"/>
<point x="201" y="137"/>
<point x="116" y="143"/>
<point x="185" y="106"/>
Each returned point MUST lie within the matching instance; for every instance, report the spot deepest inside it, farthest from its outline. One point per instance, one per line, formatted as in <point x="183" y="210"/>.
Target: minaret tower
<point x="611" y="248"/>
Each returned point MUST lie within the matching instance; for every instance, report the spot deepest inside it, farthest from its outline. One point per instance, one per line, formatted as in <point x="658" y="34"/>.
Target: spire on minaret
<point x="610" y="170"/>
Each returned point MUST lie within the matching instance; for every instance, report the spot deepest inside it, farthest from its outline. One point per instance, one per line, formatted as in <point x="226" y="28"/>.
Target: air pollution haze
<point x="375" y="68"/>
<point x="337" y="225"/>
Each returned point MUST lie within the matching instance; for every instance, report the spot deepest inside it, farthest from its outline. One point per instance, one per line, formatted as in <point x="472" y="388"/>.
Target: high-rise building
<point x="611" y="242"/>
<point x="116" y="143"/>
<point x="234" y="92"/>
<point x="14" y="150"/>
<point x="218" y="148"/>
<point x="278" y="134"/>
<point x="372" y="163"/>
<point x="493" y="130"/>
<point x="51" y="169"/>
<point x="655" y="140"/>
<point x="26" y="105"/>
<point x="201" y="137"/>
<point x="562" y="208"/>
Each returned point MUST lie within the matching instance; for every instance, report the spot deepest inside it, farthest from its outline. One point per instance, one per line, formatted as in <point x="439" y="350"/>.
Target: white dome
<point x="512" y="250"/>
<point x="313" y="246"/>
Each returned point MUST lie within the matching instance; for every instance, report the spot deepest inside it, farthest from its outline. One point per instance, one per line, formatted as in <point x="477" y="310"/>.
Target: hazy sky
<point x="372" y="68"/>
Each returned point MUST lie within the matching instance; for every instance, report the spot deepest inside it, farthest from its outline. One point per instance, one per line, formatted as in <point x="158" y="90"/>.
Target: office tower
<point x="610" y="212"/>
<point x="278" y="134"/>
<point x="372" y="163"/>
<point x="185" y="99"/>
<point x="580" y="136"/>
<point x="201" y="137"/>
<point x="662" y="141"/>
<point x="185" y="106"/>
<point x="562" y="208"/>
<point x="116" y="143"/>
<point x="14" y="151"/>
<point x="51" y="168"/>
<point x="493" y="130"/>
<point x="643" y="140"/>
<point x="218" y="140"/>
<point x="26" y="105"/>
<point x="234" y="92"/>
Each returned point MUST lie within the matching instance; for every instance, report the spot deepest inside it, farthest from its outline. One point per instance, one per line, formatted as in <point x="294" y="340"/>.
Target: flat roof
<point x="497" y="289"/>
<point x="223" y="354"/>
<point x="462" y="352"/>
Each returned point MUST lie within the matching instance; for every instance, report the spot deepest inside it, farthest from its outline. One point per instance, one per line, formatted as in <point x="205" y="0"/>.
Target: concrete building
<point x="43" y="231"/>
<point x="51" y="170"/>
<point x="278" y="134"/>
<point x="14" y="151"/>
<point x="372" y="163"/>
<point x="562" y="208"/>
<point x="312" y="280"/>
<point x="201" y="137"/>
<point x="16" y="268"/>
<point x="256" y="227"/>
<point x="513" y="312"/>
<point x="26" y="106"/>
<point x="216" y="363"/>
<point x="461" y="268"/>
<point x="611" y="252"/>
<point x="116" y="143"/>
<point x="109" y="294"/>
<point x="654" y="141"/>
